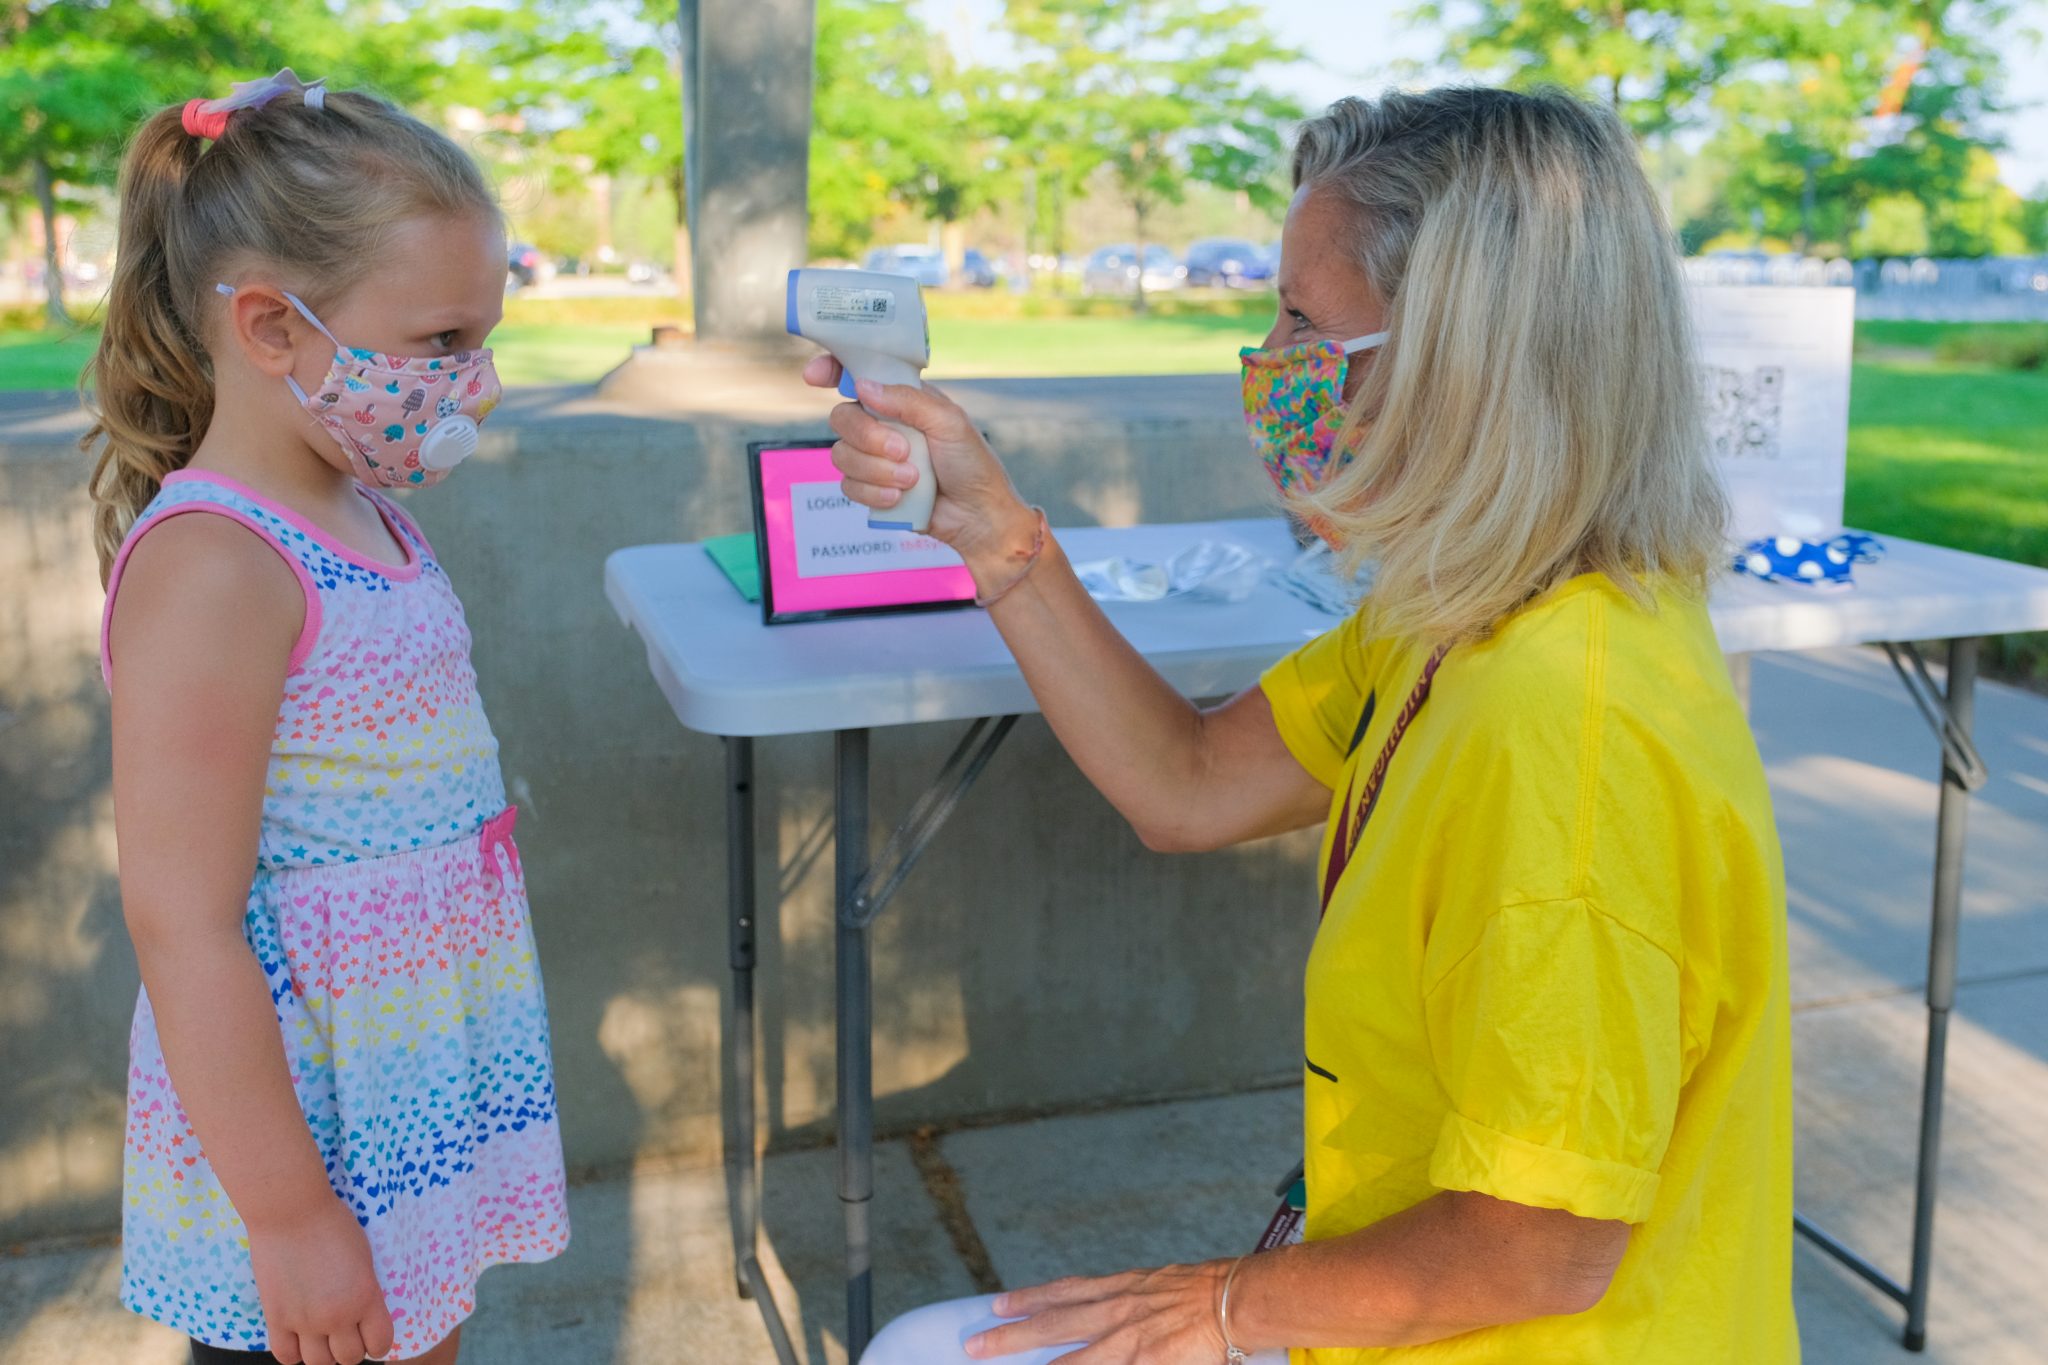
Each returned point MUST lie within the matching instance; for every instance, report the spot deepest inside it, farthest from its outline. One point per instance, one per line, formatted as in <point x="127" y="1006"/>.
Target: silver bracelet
<point x="1233" y="1353"/>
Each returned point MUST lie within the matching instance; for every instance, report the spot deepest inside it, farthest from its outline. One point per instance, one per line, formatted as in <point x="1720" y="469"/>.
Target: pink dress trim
<point x="402" y="519"/>
<point x="397" y="573"/>
<point x="309" y="633"/>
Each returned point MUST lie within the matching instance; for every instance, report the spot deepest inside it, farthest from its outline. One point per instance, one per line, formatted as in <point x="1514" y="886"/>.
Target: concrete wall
<point x="1038" y="958"/>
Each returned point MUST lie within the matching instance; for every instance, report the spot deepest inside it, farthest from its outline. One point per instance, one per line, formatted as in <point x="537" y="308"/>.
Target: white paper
<point x="1775" y="363"/>
<point x="833" y="539"/>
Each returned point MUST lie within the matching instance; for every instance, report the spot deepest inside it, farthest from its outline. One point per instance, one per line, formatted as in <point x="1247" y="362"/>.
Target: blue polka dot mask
<point x="402" y="422"/>
<point x="1818" y="563"/>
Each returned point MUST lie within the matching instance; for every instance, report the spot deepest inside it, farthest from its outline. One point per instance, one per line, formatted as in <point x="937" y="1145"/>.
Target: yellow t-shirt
<point x="1553" y="971"/>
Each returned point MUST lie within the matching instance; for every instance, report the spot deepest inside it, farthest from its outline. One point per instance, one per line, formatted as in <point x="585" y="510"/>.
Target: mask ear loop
<point x="1352" y="348"/>
<point x="293" y="299"/>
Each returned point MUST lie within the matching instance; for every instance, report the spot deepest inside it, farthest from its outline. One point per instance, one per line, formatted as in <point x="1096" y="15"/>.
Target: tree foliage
<point x="1816" y="111"/>
<point x="569" y="93"/>
<point x="76" y="76"/>
<point x="1161" y="93"/>
<point x="897" y="125"/>
<point x="1652" y="64"/>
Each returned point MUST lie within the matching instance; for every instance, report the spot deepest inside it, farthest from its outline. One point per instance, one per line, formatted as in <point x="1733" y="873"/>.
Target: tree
<point x="1818" y="109"/>
<point x="584" y="94"/>
<point x="2033" y="220"/>
<point x="76" y="76"/>
<point x="1883" y="101"/>
<point x="1161" y="92"/>
<point x="1652" y="64"/>
<point x="64" y="82"/>
<point x="896" y="123"/>
<point x="1894" y="225"/>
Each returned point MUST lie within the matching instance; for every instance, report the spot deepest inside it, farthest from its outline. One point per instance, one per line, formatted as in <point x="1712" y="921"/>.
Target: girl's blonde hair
<point x="307" y="192"/>
<point x="1535" y="413"/>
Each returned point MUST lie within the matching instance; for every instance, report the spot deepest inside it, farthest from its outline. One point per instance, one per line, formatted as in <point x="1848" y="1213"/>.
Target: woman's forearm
<point x="1184" y="778"/>
<point x="1454" y="1263"/>
<point x="221" y="1046"/>
<point x="1137" y="739"/>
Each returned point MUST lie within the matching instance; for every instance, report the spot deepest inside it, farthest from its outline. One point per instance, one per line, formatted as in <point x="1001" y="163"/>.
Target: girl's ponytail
<point x="149" y="385"/>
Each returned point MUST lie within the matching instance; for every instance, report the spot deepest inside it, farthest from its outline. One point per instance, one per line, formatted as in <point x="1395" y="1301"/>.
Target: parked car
<point x="978" y="271"/>
<point x="2016" y="274"/>
<point x="1114" y="270"/>
<point x="523" y="265"/>
<point x="925" y="264"/>
<point x="1228" y="261"/>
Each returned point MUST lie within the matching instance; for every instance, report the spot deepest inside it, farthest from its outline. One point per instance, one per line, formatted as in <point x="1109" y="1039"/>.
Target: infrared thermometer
<point x="874" y="325"/>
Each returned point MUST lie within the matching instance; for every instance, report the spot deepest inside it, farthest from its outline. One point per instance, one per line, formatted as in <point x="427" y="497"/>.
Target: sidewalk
<point x="649" y="1278"/>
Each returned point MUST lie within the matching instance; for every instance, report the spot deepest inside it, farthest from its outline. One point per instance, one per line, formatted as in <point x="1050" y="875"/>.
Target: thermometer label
<point x="837" y="303"/>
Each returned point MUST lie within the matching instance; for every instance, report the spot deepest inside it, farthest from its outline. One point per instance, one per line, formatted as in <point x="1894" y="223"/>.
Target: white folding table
<point x="726" y="674"/>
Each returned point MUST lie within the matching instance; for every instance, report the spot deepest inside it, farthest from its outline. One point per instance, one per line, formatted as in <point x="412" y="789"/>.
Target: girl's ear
<point x="267" y="330"/>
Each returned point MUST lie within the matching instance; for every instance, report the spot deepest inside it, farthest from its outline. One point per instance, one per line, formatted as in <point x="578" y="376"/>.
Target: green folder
<point x="735" y="555"/>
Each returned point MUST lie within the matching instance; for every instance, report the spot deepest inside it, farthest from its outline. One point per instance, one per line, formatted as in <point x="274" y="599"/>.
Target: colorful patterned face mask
<point x="403" y="423"/>
<point x="1294" y="403"/>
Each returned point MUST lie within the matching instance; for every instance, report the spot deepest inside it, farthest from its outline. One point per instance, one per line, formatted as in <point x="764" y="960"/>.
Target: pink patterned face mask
<point x="1294" y="404"/>
<point x="402" y="422"/>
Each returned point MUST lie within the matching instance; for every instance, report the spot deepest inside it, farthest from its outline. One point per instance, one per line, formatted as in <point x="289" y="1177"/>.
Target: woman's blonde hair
<point x="1535" y="413"/>
<point x="307" y="192"/>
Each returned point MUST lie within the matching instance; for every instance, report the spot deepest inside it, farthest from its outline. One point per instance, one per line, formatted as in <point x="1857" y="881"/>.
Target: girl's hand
<point x="1142" y="1317"/>
<point x="322" y="1304"/>
<point x="977" y="511"/>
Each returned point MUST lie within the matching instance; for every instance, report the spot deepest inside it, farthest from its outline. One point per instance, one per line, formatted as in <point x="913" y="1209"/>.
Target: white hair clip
<point x="255" y="94"/>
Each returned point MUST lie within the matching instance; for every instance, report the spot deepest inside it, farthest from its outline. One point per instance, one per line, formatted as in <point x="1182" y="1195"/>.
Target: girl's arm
<point x="1185" y="778"/>
<point x="202" y="632"/>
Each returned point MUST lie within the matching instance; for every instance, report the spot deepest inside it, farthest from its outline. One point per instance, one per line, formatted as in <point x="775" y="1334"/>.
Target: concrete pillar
<point x="747" y="75"/>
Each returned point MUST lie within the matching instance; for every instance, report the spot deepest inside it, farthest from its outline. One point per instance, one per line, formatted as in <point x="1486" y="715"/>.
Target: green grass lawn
<point x="962" y="347"/>
<point x="43" y="360"/>
<point x="1176" y="344"/>
<point x="1952" y="455"/>
<point x="570" y="353"/>
<point x="527" y="353"/>
<point x="577" y="341"/>
<point x="1956" y="455"/>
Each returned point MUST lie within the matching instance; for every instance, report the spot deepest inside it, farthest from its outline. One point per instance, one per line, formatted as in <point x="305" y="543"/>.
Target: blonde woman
<point x="1547" y="1073"/>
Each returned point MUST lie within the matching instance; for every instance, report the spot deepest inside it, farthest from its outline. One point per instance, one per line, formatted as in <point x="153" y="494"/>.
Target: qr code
<point x="1744" y="408"/>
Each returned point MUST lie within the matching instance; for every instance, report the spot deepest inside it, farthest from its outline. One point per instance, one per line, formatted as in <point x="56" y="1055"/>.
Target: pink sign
<point x="820" y="557"/>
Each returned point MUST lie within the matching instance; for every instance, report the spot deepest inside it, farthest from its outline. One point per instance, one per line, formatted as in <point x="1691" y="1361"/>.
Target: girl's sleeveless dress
<point x="389" y="914"/>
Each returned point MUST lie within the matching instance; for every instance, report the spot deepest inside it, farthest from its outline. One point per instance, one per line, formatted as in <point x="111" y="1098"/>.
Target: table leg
<point x="742" y="1174"/>
<point x="1941" y="982"/>
<point x="855" y="988"/>
<point x="1949" y="712"/>
<point x="862" y="889"/>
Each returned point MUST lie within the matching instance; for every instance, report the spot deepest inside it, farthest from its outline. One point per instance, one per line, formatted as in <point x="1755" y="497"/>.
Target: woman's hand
<point x="322" y="1304"/>
<point x="1142" y="1317"/>
<point x="977" y="511"/>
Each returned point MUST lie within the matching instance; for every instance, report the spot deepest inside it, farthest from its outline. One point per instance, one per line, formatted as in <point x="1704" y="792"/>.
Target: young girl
<point x="340" y="1103"/>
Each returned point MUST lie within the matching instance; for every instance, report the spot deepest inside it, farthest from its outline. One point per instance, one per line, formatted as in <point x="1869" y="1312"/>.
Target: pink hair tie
<point x="209" y="118"/>
<point x="200" y="123"/>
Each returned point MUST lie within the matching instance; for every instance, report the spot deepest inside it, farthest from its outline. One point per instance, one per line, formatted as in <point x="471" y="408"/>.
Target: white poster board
<point x="1775" y="380"/>
<point x="833" y="538"/>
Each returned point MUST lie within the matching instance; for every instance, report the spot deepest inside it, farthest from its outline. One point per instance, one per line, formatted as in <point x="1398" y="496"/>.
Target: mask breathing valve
<point x="450" y="443"/>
